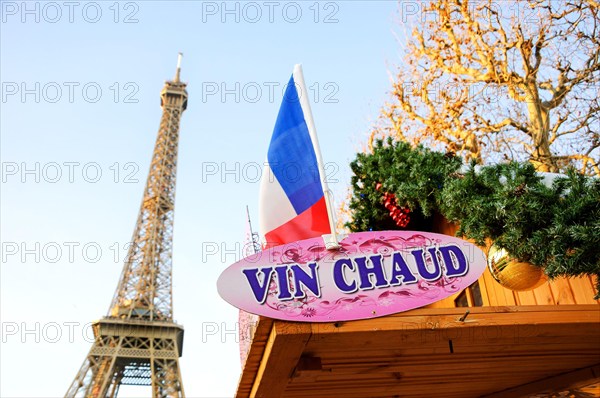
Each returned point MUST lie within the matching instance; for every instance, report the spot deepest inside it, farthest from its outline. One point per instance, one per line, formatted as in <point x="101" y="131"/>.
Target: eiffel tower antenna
<point x="178" y="72"/>
<point x="137" y="342"/>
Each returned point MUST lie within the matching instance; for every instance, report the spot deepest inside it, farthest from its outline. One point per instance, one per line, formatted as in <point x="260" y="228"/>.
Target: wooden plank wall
<point x="561" y="291"/>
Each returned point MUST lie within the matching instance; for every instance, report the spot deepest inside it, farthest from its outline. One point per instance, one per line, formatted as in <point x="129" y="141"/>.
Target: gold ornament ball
<point x="512" y="273"/>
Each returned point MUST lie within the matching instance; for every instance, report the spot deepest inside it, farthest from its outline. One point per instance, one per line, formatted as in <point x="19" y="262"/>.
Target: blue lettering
<point x="311" y="282"/>
<point x="283" y="283"/>
<point x="458" y="268"/>
<point x="422" y="267"/>
<point x="365" y="272"/>
<point x="259" y="290"/>
<point x="338" y="275"/>
<point x="400" y="270"/>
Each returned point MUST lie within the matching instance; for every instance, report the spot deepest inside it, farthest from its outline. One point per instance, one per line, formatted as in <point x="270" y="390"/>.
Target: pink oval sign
<point x="373" y="274"/>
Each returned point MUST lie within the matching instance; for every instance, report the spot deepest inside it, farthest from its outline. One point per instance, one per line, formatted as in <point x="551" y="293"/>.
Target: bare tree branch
<point x="494" y="87"/>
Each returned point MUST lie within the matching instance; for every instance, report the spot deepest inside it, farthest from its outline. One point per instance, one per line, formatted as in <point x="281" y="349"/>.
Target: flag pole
<point x="331" y="240"/>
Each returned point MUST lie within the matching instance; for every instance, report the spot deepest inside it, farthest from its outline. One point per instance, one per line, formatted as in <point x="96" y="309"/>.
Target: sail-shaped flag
<point x="292" y="203"/>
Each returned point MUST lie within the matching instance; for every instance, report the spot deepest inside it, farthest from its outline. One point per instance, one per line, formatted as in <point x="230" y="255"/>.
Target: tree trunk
<point x="539" y="118"/>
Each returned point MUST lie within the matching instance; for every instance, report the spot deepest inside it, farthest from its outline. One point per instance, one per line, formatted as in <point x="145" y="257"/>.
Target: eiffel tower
<point x="138" y="343"/>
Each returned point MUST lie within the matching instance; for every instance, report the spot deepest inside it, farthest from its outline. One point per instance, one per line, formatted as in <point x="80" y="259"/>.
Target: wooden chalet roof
<point x="507" y="351"/>
<point x="540" y="343"/>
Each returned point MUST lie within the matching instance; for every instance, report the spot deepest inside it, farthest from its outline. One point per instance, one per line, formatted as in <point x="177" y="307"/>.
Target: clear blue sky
<point x="75" y="223"/>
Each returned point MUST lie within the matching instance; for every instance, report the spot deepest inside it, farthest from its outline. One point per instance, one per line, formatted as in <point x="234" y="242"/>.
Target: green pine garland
<point x="556" y="228"/>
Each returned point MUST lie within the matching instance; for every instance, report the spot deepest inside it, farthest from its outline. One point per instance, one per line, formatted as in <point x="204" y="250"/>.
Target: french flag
<point x="292" y="204"/>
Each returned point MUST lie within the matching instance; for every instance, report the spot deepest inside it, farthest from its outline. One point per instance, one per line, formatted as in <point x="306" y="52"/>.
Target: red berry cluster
<point x="400" y="215"/>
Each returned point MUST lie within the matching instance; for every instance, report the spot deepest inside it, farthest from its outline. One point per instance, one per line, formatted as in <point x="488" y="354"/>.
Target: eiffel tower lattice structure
<point x="138" y="343"/>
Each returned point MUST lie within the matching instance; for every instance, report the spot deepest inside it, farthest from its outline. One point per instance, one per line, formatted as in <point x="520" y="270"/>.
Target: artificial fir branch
<point x="556" y="227"/>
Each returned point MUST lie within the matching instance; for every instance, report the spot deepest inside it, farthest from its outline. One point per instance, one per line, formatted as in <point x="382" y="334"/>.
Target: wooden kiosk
<point x="485" y="341"/>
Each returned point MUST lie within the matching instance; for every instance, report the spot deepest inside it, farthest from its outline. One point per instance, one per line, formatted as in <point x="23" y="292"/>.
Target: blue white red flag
<point x="292" y="203"/>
